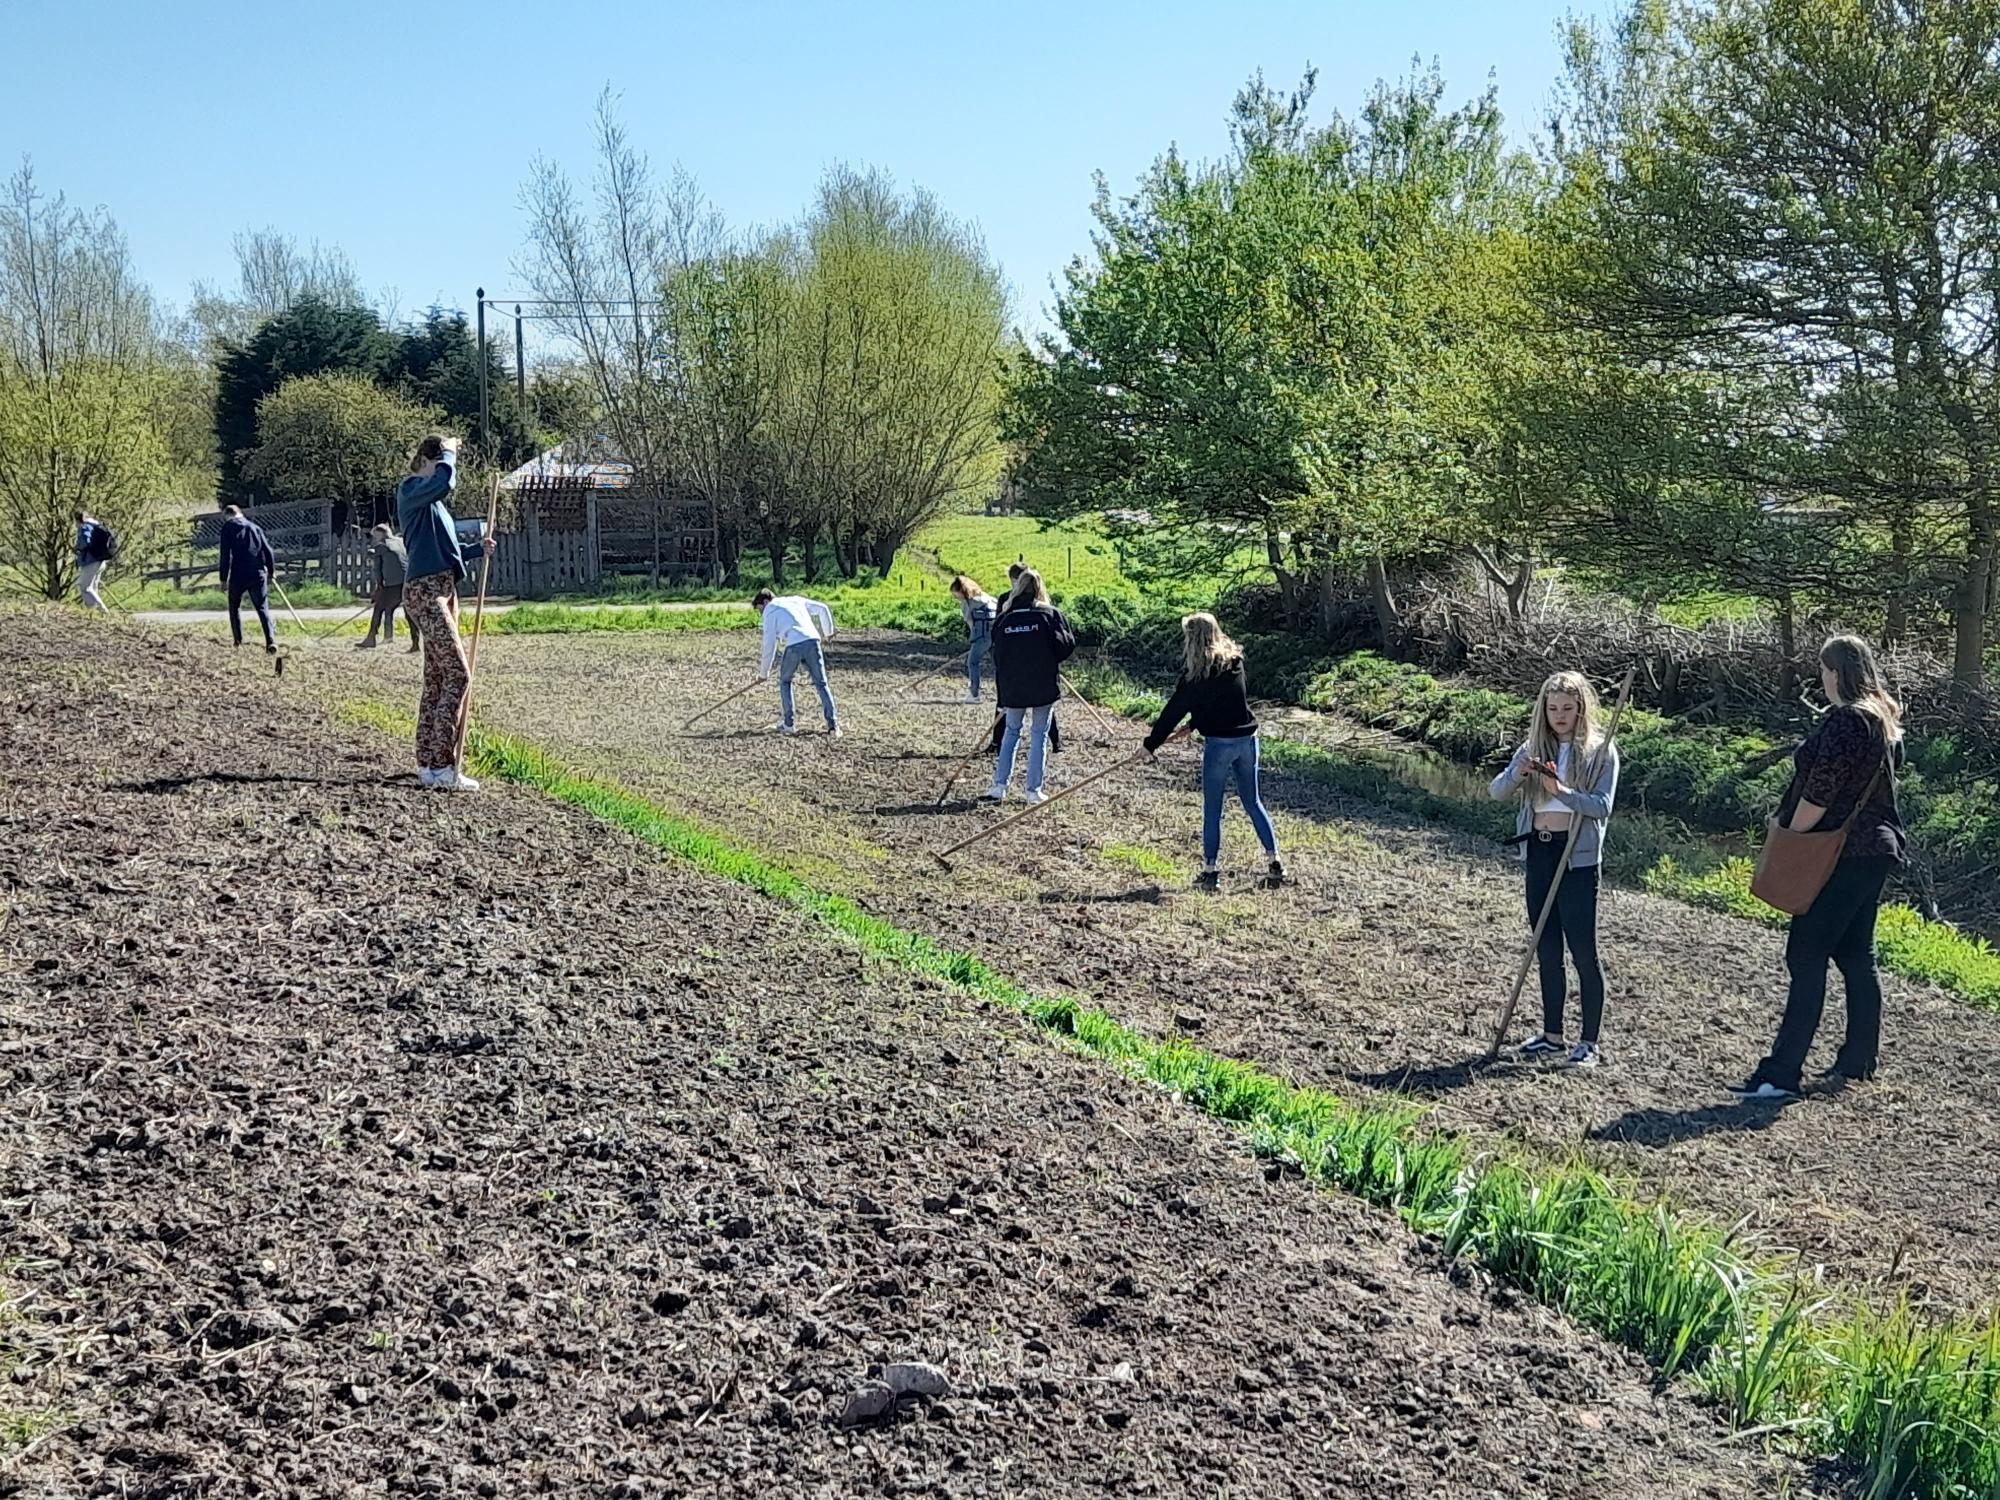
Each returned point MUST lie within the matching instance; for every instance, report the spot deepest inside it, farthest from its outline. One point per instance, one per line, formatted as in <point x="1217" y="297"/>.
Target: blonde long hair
<point x="1542" y="742"/>
<point x="1028" y="589"/>
<point x="1852" y="661"/>
<point x="1206" y="650"/>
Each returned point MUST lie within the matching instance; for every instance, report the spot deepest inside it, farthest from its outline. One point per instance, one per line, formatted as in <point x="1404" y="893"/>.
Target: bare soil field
<point x="1381" y="969"/>
<point x="359" y="1141"/>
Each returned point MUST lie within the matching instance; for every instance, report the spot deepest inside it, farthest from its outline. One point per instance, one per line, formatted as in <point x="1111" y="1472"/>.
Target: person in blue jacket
<point x="437" y="561"/>
<point x="247" y="568"/>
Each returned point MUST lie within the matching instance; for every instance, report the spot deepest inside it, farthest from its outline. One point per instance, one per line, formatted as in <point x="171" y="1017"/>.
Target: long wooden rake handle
<point x="943" y="856"/>
<point x="958" y="767"/>
<point x="1096" y="712"/>
<point x="1549" y="901"/>
<point x="937" y="671"/>
<point x="478" y="615"/>
<point x="721" y="703"/>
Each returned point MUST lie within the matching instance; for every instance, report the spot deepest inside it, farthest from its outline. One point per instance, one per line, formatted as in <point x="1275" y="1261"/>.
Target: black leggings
<point x="1574" y="921"/>
<point x="1839" y="928"/>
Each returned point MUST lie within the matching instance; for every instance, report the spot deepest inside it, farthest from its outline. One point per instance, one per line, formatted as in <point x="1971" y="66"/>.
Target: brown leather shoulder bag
<point x="1793" y="867"/>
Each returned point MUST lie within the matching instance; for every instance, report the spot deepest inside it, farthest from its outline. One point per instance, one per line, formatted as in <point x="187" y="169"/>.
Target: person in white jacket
<point x="796" y="626"/>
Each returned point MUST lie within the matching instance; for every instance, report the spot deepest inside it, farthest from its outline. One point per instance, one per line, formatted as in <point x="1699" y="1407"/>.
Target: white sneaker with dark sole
<point x="447" y="779"/>
<point x="1583" y="1055"/>
<point x="1036" y="799"/>
<point x="1763" y="1091"/>
<point x="994" y="794"/>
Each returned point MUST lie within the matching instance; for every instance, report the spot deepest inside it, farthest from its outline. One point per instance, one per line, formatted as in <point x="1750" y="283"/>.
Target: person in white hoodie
<point x="796" y="626"/>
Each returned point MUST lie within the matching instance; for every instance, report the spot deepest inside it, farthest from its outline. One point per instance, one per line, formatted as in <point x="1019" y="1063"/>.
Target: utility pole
<point x="485" y="424"/>
<point x="520" y="366"/>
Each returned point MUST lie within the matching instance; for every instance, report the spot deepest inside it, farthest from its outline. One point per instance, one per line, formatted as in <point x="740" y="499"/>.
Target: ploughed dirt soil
<point x="1382" y="968"/>
<point x="362" y="1141"/>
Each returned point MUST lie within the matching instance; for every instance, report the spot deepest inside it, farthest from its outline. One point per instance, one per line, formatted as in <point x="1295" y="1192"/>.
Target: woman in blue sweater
<point x="437" y="561"/>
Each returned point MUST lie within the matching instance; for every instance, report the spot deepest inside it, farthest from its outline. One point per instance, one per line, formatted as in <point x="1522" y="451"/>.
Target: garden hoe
<point x="1549" y="902"/>
<point x="958" y="769"/>
<point x="1096" y="712"/>
<point x="936" y="671"/>
<point x="723" y="702"/>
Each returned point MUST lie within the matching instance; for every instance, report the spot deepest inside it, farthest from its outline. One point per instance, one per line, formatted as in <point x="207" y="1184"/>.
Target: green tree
<point x="438" y="365"/>
<point x="336" y="437"/>
<point x="312" y="338"/>
<point x="1788" y="216"/>
<point x="85" y="391"/>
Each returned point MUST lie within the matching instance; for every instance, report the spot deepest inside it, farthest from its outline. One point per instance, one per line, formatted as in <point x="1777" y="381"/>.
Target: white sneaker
<point x="970" y="698"/>
<point x="1036" y="799"/>
<point x="783" y="729"/>
<point x="451" y="779"/>
<point x="426" y="776"/>
<point x="834" y="733"/>
<point x="994" y="794"/>
<point x="1583" y="1055"/>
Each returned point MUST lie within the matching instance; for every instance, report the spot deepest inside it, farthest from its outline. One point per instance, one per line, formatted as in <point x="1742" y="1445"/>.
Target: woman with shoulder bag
<point x="1843" y="786"/>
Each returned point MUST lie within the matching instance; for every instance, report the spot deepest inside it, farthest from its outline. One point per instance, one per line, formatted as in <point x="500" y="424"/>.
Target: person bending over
<point x="797" y="626"/>
<point x="979" y="609"/>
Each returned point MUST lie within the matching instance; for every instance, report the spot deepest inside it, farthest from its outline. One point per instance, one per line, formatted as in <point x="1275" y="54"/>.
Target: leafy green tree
<point x="1285" y="347"/>
<point x="438" y="365"/>
<point x="336" y="437"/>
<point x="1788" y="213"/>
<point x="312" y="338"/>
<point x="86" y="394"/>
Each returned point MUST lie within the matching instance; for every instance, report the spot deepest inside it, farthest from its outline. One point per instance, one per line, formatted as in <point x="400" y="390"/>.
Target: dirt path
<point x="320" y="614"/>
<point x="361" y="1141"/>
<point x="1382" y="968"/>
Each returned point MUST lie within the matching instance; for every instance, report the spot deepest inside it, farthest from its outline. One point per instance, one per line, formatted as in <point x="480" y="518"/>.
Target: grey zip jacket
<point x="1592" y="804"/>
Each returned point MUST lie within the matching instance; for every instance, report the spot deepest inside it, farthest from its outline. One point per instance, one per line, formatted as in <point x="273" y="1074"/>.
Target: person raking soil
<point x="1031" y="641"/>
<point x="96" y="550"/>
<point x="796" y="626"/>
<point x="1843" y="782"/>
<point x="437" y="561"/>
<point x="979" y="609"/>
<point x="1213" y="692"/>
<point x="247" y="567"/>
<point x="391" y="562"/>
<point x="1566" y="769"/>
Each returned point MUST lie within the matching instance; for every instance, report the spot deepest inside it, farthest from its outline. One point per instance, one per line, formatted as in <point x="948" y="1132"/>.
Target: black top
<point x="246" y="552"/>
<point x="1833" y="768"/>
<point x="1219" y="706"/>
<point x="1030" y="644"/>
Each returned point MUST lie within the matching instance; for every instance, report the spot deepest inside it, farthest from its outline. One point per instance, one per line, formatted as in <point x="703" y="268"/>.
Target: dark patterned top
<point x="1833" y="768"/>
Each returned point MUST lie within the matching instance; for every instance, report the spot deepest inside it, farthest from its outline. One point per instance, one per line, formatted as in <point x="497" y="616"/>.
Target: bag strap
<point x="1873" y="781"/>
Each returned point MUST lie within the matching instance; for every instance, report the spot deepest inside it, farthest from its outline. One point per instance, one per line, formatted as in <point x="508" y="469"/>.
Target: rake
<point x="943" y="856"/>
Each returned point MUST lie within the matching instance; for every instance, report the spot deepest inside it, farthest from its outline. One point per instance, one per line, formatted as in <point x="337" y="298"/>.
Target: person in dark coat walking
<point x="247" y="568"/>
<point x="1031" y="641"/>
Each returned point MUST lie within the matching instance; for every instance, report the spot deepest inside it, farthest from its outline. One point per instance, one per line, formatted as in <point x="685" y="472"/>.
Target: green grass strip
<point x="1914" y="1404"/>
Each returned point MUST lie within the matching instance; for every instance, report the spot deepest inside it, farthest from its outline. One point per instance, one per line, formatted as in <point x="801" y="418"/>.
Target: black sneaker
<point x="1760" y="1090"/>
<point x="1208" y="880"/>
<point x="1844" y="1071"/>
<point x="1276" y="874"/>
<point x="1541" y="1044"/>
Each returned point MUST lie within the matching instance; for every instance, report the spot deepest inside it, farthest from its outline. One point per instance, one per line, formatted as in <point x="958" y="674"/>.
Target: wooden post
<point x="531" y="531"/>
<point x="593" y="560"/>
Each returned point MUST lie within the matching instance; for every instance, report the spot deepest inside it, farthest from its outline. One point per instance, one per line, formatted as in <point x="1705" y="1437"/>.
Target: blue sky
<point x="403" y="133"/>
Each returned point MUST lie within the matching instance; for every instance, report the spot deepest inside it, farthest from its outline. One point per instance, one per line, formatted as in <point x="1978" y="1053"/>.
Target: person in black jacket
<point x="247" y="566"/>
<point x="1847" y="766"/>
<point x="1212" y="693"/>
<point x="1031" y="641"/>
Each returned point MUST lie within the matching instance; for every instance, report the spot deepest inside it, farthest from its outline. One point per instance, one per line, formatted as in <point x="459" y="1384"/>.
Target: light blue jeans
<point x="975" y="658"/>
<point x="805" y="654"/>
<point x="1038" y="744"/>
<point x="1219" y="760"/>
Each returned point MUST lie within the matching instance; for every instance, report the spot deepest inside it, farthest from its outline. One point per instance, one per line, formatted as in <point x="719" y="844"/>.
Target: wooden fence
<point x="555" y="535"/>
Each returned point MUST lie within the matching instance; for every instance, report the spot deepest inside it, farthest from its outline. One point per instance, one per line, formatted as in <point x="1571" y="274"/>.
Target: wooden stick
<point x="478" y="617"/>
<point x="288" y="607"/>
<point x="943" y="856"/>
<point x="1096" y="712"/>
<point x="957" y="769"/>
<point x="721" y="703"/>
<point x="938" y="671"/>
<point x="1549" y="902"/>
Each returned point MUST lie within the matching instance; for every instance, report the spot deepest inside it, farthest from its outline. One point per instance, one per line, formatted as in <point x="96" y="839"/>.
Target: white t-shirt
<point x="791" y="620"/>
<point x="1546" y="802"/>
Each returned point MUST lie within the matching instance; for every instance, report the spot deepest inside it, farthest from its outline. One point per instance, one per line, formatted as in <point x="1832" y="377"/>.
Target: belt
<point x="1539" y="835"/>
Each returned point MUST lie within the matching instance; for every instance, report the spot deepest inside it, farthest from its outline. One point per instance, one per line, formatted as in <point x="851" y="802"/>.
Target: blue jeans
<point x="805" y="654"/>
<point x="975" y="658"/>
<point x="1219" y="759"/>
<point x="259" y="592"/>
<point x="1038" y="744"/>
